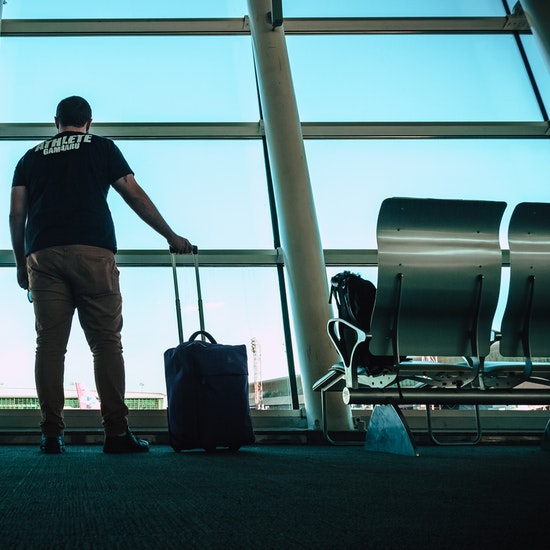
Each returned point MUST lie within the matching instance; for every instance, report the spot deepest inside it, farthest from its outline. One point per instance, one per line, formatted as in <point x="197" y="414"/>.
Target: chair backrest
<point x="529" y="291"/>
<point x="439" y="269"/>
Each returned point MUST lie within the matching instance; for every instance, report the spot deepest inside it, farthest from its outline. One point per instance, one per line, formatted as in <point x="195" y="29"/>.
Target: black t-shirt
<point x="67" y="180"/>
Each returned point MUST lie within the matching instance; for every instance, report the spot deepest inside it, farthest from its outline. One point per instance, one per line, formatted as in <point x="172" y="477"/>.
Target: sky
<point x="214" y="192"/>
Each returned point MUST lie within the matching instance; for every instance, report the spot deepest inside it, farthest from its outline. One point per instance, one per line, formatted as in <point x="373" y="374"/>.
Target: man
<point x="64" y="245"/>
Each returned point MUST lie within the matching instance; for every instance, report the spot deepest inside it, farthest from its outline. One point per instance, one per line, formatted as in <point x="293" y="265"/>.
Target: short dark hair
<point x="74" y="111"/>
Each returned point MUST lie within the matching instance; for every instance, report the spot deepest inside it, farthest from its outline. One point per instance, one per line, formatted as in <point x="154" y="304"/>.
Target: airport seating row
<point x="440" y="266"/>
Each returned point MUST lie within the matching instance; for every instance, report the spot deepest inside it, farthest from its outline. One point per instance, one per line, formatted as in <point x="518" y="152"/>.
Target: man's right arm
<point x="18" y="220"/>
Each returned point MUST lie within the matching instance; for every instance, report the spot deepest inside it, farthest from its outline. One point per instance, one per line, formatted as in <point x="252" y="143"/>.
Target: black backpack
<point x="354" y="298"/>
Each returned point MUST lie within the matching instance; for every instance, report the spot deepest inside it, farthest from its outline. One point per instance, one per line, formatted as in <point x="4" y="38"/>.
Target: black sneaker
<point x="52" y="445"/>
<point x="127" y="443"/>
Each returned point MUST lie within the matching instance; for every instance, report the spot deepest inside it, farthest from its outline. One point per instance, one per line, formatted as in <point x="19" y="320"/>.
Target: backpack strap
<point x="337" y="287"/>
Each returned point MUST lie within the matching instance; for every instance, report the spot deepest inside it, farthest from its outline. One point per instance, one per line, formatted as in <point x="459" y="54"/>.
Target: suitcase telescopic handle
<point x="195" y="252"/>
<point x="177" y="295"/>
<point x="199" y="292"/>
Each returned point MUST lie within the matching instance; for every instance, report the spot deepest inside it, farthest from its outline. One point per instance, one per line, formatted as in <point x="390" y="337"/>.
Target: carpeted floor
<point x="275" y="497"/>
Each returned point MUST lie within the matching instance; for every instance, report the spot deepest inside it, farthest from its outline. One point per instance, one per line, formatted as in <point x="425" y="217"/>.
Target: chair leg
<point x="476" y="438"/>
<point x="388" y="432"/>
<point x="545" y="445"/>
<point x="326" y="433"/>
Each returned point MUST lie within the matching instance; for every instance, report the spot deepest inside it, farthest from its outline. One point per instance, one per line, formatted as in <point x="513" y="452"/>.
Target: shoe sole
<point x="124" y="452"/>
<point x="53" y="451"/>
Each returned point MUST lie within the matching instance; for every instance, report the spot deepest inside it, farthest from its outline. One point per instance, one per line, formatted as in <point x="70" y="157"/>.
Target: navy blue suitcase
<point x="207" y="389"/>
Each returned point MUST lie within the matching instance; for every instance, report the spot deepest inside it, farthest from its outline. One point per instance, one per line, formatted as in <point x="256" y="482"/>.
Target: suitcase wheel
<point x="230" y="448"/>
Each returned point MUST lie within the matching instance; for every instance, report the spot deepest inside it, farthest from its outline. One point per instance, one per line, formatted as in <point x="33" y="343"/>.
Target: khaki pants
<point x="85" y="278"/>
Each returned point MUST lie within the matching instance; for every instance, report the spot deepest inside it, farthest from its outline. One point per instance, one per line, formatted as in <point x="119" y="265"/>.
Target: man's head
<point x="74" y="112"/>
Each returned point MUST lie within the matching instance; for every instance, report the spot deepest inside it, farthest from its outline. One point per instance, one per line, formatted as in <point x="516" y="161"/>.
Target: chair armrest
<point x="361" y="336"/>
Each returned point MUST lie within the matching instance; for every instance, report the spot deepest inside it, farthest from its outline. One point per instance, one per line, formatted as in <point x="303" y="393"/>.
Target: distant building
<point x="24" y="398"/>
<point x="275" y="395"/>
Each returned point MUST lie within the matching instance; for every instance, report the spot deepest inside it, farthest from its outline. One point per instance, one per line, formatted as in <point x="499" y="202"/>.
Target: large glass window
<point x="213" y="192"/>
<point x="395" y="8"/>
<point x="239" y="305"/>
<point x="130" y="79"/>
<point x="68" y="9"/>
<point x="350" y="179"/>
<point x="410" y="78"/>
<point x="37" y="9"/>
<point x="18" y="335"/>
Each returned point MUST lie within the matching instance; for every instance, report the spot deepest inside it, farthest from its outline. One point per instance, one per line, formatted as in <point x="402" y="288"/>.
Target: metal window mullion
<point x="527" y="65"/>
<point x="238" y="258"/>
<point x="240" y="26"/>
<point x="310" y="130"/>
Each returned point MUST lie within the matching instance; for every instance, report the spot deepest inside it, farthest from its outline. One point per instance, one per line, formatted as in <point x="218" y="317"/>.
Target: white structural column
<point x="538" y="16"/>
<point x="300" y="240"/>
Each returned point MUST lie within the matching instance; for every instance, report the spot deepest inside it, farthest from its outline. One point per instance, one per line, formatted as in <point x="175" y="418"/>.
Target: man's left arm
<point x="18" y="220"/>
